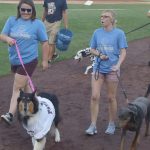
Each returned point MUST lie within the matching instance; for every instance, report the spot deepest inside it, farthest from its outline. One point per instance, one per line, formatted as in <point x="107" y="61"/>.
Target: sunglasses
<point x="104" y="16"/>
<point x="28" y="10"/>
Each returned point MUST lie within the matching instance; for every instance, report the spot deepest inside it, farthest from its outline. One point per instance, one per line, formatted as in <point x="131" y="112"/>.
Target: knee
<point x="111" y="99"/>
<point x="95" y="98"/>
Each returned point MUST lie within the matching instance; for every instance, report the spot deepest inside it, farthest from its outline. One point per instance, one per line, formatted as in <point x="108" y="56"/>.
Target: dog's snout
<point x="25" y="109"/>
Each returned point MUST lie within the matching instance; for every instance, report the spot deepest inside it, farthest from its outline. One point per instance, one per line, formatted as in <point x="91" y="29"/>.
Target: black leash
<point x="138" y="28"/>
<point x="148" y="91"/>
<point x="96" y="75"/>
<point x="122" y="88"/>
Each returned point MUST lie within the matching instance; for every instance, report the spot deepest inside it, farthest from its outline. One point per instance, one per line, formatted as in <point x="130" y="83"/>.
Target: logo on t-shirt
<point x="21" y="33"/>
<point x="51" y="8"/>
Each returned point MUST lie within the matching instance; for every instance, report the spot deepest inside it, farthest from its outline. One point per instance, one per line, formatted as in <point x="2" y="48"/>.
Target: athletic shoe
<point x="91" y="130"/>
<point x="8" y="118"/>
<point x="55" y="56"/>
<point x="49" y="61"/>
<point x="110" y="129"/>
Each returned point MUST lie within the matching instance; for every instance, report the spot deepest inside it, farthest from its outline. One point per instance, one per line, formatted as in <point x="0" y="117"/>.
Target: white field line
<point x="91" y="9"/>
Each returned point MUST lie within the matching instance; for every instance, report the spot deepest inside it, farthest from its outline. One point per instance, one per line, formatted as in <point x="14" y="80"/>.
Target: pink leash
<point x="21" y="61"/>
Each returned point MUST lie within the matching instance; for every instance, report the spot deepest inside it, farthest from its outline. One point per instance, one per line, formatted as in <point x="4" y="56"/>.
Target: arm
<point x="7" y="39"/>
<point x="121" y="60"/>
<point x="44" y="15"/>
<point x="65" y="19"/>
<point x="45" y="52"/>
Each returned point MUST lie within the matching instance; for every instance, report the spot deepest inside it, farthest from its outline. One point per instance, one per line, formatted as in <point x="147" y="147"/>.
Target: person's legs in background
<point x="96" y="89"/>
<point x="52" y="30"/>
<point x="112" y="84"/>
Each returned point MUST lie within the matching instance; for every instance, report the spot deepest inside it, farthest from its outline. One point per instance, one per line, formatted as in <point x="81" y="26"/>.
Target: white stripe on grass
<point x="91" y="9"/>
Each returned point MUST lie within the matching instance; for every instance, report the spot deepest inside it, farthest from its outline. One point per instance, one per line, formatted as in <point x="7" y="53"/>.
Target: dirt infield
<point x="67" y="81"/>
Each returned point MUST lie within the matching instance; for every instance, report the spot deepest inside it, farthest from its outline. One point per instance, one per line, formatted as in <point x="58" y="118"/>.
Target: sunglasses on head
<point x="28" y="10"/>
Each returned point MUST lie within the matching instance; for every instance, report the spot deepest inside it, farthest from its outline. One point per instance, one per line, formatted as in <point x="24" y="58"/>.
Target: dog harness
<point x="39" y="124"/>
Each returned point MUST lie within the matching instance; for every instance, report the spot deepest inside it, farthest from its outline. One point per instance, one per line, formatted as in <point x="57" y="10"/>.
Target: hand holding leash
<point x="103" y="57"/>
<point x="115" y="67"/>
<point x="10" y="41"/>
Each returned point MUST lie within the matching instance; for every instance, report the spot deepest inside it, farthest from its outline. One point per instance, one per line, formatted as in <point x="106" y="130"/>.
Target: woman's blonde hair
<point x="113" y="14"/>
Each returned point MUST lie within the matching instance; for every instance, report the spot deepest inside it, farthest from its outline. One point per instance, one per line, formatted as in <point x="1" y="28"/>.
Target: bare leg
<point x="134" y="142"/>
<point x="20" y="82"/>
<point x="51" y="51"/>
<point x="57" y="135"/>
<point x="122" y="139"/>
<point x="112" y="89"/>
<point x="96" y="88"/>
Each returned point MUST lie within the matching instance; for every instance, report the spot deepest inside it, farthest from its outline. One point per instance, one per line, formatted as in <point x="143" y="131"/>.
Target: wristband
<point x="99" y="55"/>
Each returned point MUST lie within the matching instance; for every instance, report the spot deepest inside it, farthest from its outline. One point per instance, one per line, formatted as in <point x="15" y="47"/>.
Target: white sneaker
<point x="110" y="129"/>
<point x="8" y="118"/>
<point x="91" y="130"/>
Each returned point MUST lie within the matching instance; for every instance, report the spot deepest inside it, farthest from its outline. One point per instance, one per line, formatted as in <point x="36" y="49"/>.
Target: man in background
<point x="54" y="12"/>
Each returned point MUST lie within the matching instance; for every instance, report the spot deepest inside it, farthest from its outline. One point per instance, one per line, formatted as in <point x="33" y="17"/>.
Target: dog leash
<point x="21" y="61"/>
<point x="122" y="89"/>
<point x="96" y="75"/>
<point x="138" y="28"/>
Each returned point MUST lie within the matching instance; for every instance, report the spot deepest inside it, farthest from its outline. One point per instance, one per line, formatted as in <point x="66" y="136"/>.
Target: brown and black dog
<point x="131" y="118"/>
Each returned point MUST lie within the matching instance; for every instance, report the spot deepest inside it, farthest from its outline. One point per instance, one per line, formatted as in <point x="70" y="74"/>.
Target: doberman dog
<point x="131" y="118"/>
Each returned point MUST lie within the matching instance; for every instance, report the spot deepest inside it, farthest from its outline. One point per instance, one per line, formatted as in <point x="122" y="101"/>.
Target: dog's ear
<point x="86" y="52"/>
<point x="133" y="111"/>
<point x="33" y="95"/>
<point x="21" y="92"/>
<point x="148" y="91"/>
<point x="18" y="99"/>
<point x="83" y="54"/>
<point x="20" y="95"/>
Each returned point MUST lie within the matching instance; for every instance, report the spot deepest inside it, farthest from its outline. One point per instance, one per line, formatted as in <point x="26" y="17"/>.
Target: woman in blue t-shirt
<point x="108" y="44"/>
<point x="25" y="32"/>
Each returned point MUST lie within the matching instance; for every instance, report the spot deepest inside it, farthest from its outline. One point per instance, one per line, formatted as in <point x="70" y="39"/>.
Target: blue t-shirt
<point x="54" y="9"/>
<point x="27" y="34"/>
<point x="108" y="43"/>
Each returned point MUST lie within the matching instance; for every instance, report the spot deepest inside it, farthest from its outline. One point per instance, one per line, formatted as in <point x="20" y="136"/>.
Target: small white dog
<point x="84" y="53"/>
<point x="39" y="115"/>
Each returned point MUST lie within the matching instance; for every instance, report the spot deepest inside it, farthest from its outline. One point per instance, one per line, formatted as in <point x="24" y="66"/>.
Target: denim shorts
<point x="29" y="67"/>
<point x="111" y="76"/>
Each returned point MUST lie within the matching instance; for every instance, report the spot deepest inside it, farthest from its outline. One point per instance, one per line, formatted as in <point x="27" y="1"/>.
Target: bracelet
<point x="100" y="54"/>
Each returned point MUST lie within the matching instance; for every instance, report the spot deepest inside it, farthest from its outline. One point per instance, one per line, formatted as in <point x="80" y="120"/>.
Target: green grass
<point x="83" y="20"/>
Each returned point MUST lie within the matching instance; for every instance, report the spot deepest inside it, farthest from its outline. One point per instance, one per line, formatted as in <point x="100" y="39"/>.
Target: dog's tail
<point x="148" y="91"/>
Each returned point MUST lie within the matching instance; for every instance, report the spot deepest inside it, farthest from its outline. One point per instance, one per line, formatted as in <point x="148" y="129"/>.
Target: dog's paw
<point x="57" y="135"/>
<point x="57" y="139"/>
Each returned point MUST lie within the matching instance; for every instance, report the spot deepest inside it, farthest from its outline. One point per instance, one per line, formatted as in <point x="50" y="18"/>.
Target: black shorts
<point x="30" y="67"/>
